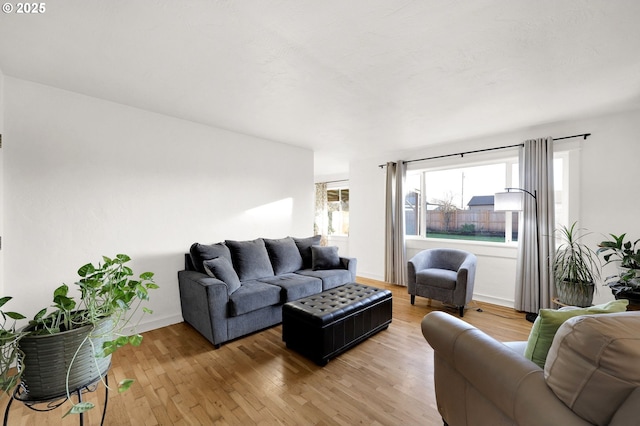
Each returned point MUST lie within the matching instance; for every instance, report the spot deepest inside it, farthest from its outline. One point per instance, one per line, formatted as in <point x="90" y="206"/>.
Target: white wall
<point x="85" y="177"/>
<point x="604" y="199"/>
<point x="2" y="292"/>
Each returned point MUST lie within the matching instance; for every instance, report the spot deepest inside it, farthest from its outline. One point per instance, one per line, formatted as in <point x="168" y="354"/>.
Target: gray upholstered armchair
<point x="443" y="274"/>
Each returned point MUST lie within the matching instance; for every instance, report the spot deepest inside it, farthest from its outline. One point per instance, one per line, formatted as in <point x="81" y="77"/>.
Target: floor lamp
<point x="514" y="201"/>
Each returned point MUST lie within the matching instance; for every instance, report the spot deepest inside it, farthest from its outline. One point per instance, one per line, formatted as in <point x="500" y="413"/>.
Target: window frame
<point x="507" y="156"/>
<point x="565" y="196"/>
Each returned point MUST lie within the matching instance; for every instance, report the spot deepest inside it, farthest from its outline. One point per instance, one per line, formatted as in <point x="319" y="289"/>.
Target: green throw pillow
<point x="549" y="320"/>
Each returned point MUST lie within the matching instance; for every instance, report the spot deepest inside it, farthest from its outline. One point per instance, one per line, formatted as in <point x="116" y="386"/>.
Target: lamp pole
<point x="531" y="316"/>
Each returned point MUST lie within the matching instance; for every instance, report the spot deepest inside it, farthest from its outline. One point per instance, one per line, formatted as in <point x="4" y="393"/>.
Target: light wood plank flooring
<point x="182" y="380"/>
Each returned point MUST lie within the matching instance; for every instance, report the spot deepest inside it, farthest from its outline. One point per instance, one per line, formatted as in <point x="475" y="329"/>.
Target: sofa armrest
<point x="350" y="263"/>
<point x="204" y="300"/>
<point x="475" y="374"/>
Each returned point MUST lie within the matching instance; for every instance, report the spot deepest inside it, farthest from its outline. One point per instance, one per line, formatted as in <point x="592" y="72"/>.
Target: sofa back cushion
<point x="592" y="365"/>
<point x="201" y="252"/>
<point x="250" y="259"/>
<point x="304" y="246"/>
<point x="284" y="254"/>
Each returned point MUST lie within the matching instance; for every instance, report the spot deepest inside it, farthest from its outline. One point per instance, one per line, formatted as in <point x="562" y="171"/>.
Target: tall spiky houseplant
<point x="576" y="267"/>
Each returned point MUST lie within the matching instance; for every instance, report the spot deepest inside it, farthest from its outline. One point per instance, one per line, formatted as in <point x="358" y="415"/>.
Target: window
<point x="338" y="211"/>
<point x="331" y="209"/>
<point x="456" y="202"/>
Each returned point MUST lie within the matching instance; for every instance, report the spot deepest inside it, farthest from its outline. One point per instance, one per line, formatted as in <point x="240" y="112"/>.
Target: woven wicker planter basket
<point x="574" y="294"/>
<point x="48" y="357"/>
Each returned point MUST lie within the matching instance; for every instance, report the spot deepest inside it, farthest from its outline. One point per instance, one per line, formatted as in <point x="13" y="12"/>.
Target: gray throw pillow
<point x="284" y="254"/>
<point x="324" y="258"/>
<point x="201" y="252"/>
<point x="304" y="246"/>
<point x="250" y="259"/>
<point x="222" y="269"/>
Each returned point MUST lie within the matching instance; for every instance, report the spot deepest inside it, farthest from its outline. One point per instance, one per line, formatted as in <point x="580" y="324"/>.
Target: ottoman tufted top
<point x="332" y="305"/>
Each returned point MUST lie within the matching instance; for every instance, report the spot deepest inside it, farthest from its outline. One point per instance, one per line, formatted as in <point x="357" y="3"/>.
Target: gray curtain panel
<point x="536" y="243"/>
<point x="395" y="270"/>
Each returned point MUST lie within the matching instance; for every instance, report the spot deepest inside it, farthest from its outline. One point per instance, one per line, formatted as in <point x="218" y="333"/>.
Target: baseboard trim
<point x="494" y="300"/>
<point x="155" y="323"/>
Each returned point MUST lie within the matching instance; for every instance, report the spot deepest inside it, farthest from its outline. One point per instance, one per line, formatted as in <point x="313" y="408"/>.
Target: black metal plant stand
<point x="21" y="394"/>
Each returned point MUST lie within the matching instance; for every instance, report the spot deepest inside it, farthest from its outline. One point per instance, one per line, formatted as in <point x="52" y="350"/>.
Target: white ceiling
<point x="347" y="78"/>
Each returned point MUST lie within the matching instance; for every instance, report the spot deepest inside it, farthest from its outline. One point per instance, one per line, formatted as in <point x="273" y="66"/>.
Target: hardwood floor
<point x="182" y="380"/>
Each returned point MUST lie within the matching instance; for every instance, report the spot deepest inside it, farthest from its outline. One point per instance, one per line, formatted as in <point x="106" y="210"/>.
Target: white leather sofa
<point x="591" y="375"/>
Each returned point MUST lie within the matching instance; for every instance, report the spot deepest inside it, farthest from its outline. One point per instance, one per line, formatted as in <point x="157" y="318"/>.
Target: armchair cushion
<point x="442" y="278"/>
<point x="222" y="269"/>
<point x="284" y="254"/>
<point x="549" y="320"/>
<point x="324" y="258"/>
<point x="250" y="259"/>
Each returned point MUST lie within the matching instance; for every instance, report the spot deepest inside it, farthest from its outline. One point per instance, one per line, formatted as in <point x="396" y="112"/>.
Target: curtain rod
<point x="335" y="181"/>
<point x="462" y="154"/>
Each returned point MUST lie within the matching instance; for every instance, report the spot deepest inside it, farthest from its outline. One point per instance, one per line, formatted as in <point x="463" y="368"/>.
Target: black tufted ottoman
<point x="326" y="324"/>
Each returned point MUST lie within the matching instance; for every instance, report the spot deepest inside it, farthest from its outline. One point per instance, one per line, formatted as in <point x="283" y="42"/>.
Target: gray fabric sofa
<point x="233" y="288"/>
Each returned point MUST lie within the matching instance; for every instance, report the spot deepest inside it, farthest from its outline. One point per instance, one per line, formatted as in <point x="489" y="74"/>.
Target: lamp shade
<point x="508" y="201"/>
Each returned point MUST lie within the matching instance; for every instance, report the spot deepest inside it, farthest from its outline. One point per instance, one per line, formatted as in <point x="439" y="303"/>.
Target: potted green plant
<point x="626" y="254"/>
<point x="576" y="268"/>
<point x="71" y="345"/>
<point x="9" y="349"/>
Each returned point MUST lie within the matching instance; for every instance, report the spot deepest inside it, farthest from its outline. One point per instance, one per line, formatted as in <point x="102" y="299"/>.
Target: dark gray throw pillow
<point x="201" y="252"/>
<point x="304" y="247"/>
<point x="284" y="254"/>
<point x="222" y="269"/>
<point x="324" y="258"/>
<point x="250" y="259"/>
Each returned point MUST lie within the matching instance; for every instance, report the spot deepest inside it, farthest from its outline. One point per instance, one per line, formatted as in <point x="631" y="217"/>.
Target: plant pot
<point x="47" y="358"/>
<point x="575" y="294"/>
<point x="632" y="296"/>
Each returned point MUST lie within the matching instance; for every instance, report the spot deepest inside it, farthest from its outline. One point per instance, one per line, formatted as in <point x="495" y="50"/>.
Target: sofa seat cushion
<point x="251" y="296"/>
<point x="331" y="278"/>
<point x="593" y="366"/>
<point x="441" y="278"/>
<point x="201" y="252"/>
<point x="250" y="259"/>
<point x="284" y="254"/>
<point x="295" y="286"/>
